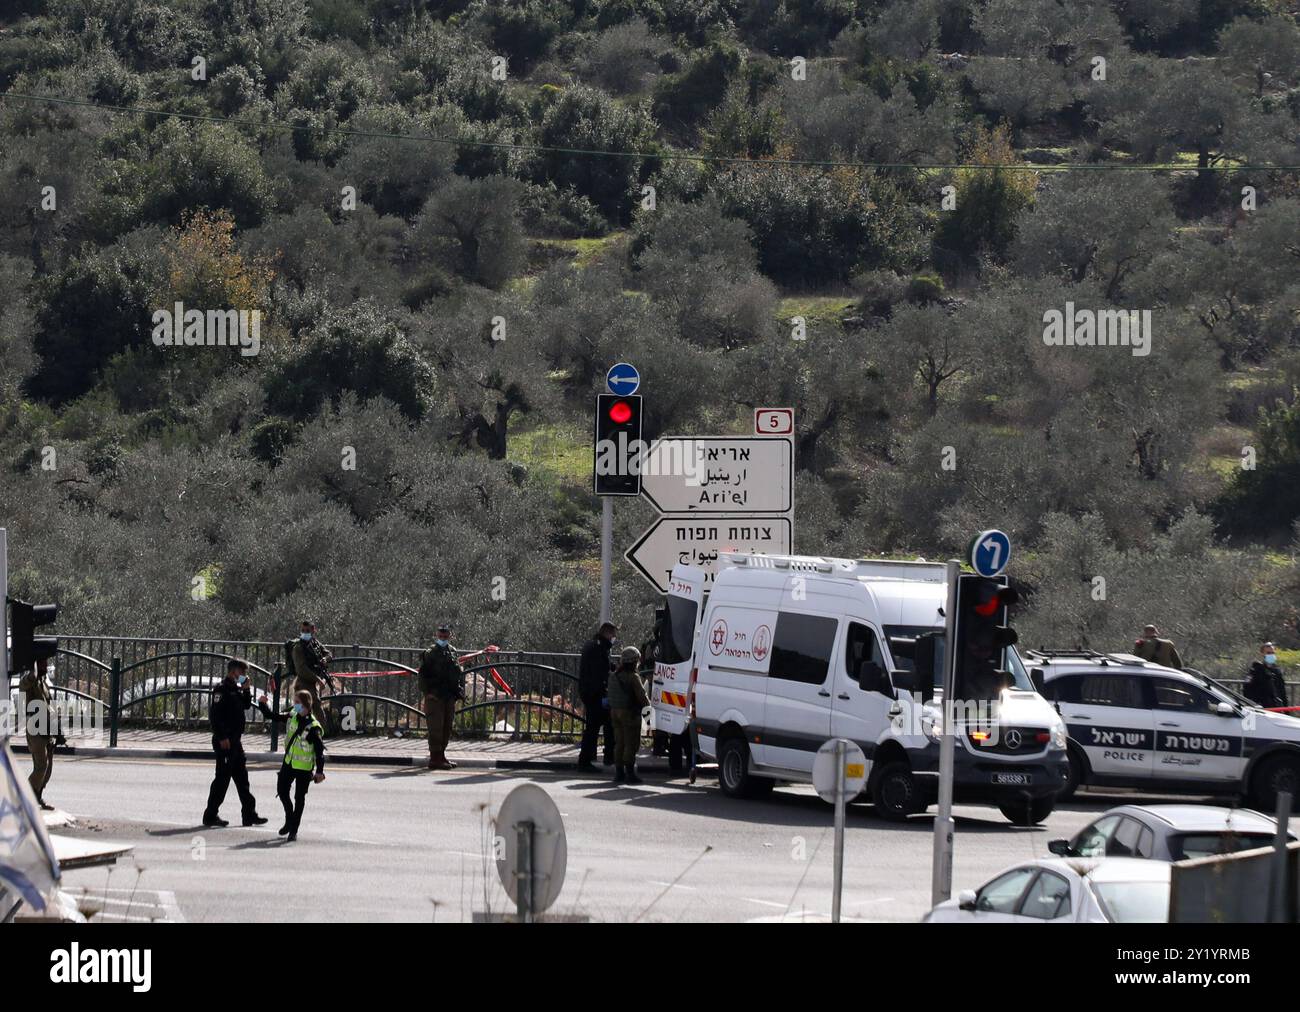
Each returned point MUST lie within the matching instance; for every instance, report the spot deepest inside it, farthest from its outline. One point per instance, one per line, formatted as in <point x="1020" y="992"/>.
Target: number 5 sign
<point x="773" y="421"/>
<point x="990" y="551"/>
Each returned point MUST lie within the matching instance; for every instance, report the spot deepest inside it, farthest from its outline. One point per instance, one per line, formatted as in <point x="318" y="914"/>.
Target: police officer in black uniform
<point x="226" y="711"/>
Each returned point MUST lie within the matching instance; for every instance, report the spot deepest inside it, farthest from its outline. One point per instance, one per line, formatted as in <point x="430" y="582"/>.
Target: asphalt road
<point x="409" y="845"/>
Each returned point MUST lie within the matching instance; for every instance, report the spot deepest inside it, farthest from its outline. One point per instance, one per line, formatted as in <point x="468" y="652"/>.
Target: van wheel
<point x="1281" y="773"/>
<point x="1078" y="775"/>
<point x="733" y="772"/>
<point x="1028" y="811"/>
<point x="894" y="792"/>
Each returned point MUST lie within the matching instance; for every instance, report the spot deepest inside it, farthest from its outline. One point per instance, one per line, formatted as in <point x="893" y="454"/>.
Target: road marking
<point x="880" y="899"/>
<point x="671" y="885"/>
<point x="767" y="903"/>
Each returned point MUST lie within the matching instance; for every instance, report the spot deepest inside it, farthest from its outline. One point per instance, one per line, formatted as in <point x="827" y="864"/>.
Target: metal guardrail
<point x="165" y="683"/>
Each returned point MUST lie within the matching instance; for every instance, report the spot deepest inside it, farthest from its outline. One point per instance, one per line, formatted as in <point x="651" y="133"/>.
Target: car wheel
<point x="1275" y="775"/>
<point x="733" y="772"/>
<point x="1028" y="811"/>
<point x="1078" y="773"/>
<point x="894" y="792"/>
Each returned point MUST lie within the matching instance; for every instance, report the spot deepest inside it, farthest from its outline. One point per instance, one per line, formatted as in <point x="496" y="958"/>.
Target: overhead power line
<point x="679" y="156"/>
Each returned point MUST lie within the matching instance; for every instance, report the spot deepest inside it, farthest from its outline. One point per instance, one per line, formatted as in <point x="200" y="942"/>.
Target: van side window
<point x="801" y="647"/>
<point x="675" y="635"/>
<point x="861" y="647"/>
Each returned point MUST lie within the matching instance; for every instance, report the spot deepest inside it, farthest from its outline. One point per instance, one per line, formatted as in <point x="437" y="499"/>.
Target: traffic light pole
<point x="941" y="872"/>
<point x="606" y="557"/>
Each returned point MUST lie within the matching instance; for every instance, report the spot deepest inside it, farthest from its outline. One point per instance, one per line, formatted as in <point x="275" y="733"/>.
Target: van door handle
<point x="823" y="692"/>
<point x="842" y="695"/>
<point x="1079" y="716"/>
<point x="1169" y="723"/>
<point x="659" y="681"/>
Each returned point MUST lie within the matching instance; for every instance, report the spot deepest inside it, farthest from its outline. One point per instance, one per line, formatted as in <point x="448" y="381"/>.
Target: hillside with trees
<point x="453" y="217"/>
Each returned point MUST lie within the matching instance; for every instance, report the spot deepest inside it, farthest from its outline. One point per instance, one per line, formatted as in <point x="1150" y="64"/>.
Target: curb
<point x="343" y="759"/>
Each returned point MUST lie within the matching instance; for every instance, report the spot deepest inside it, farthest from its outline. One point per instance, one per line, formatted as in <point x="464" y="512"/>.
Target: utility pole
<point x="941" y="873"/>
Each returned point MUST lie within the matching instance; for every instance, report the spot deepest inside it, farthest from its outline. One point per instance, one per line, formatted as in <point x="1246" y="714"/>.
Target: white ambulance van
<point x="786" y="652"/>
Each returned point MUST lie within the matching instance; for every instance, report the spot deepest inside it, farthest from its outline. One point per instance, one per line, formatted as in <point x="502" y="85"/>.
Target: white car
<point x="1121" y="890"/>
<point x="1132" y="723"/>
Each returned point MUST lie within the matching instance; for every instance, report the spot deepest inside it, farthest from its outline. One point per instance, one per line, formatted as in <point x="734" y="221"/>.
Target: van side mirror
<point x="966" y="899"/>
<point x="1036" y="678"/>
<point x="903" y="681"/>
<point x="1061" y="848"/>
<point x="1226" y="710"/>
<point x="871" y="677"/>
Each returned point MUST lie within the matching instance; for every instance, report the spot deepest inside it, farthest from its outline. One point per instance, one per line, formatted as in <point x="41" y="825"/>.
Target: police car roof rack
<point x="1089" y="655"/>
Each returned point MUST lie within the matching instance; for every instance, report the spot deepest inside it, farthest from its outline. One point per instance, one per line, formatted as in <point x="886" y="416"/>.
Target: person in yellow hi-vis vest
<point x="304" y="757"/>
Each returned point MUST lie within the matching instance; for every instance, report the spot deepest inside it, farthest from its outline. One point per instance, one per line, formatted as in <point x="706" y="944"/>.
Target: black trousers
<point x="679" y="751"/>
<point x="300" y="781"/>
<point x="598" y="717"/>
<point x="231" y="765"/>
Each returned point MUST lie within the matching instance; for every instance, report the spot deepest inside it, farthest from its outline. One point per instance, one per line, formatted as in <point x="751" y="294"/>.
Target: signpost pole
<point x="524" y="894"/>
<point x="941" y="872"/>
<point x="4" y="599"/>
<point x="839" y="830"/>
<point x="606" y="556"/>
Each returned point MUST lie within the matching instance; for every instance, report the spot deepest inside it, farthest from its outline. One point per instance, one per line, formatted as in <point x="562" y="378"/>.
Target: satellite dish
<point x="529" y="815"/>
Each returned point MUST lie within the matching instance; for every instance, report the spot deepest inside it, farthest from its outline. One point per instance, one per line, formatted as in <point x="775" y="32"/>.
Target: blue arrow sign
<point x="623" y="379"/>
<point x="990" y="551"/>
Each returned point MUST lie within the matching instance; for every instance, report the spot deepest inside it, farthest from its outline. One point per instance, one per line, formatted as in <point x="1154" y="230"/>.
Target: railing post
<point x="275" y="706"/>
<point x="114" y="700"/>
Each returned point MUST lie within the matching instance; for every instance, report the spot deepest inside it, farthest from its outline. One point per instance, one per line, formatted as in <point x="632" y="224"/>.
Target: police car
<point x="1132" y="723"/>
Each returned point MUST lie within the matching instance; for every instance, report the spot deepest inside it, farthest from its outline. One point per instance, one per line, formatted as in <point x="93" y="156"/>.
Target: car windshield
<point x="1219" y="689"/>
<point x="1185" y="845"/>
<point x="1133" y="902"/>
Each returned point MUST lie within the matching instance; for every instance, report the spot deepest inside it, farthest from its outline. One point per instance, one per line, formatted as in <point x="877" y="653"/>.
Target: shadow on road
<point x="183" y="831"/>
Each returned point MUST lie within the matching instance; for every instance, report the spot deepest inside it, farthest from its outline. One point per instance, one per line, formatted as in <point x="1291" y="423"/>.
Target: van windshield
<point x="677" y="631"/>
<point x="903" y="661"/>
<point x="901" y="653"/>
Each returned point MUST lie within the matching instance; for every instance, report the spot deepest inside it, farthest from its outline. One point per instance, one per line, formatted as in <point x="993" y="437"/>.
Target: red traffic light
<point x="620" y="412"/>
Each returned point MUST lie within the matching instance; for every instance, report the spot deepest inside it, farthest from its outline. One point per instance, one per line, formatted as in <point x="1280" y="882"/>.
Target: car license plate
<point x="1018" y="779"/>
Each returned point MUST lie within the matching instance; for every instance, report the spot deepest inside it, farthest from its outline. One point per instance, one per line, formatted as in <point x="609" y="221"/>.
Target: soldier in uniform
<point x="39" y="710"/>
<point x="443" y="684"/>
<point x="304" y="758"/>
<point x="229" y="701"/>
<point x="311" y="668"/>
<point x="627" y="698"/>
<point x="1152" y="648"/>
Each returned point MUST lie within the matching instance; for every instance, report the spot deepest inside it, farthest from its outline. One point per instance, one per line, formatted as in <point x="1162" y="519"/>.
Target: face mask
<point x="441" y="643"/>
<point x="243" y="679"/>
<point x="1270" y="658"/>
<point x="297" y="708"/>
<point x="306" y="636"/>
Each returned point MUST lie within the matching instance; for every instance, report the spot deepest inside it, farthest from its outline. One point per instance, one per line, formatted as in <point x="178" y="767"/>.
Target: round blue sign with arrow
<point x="990" y="551"/>
<point x="623" y="379"/>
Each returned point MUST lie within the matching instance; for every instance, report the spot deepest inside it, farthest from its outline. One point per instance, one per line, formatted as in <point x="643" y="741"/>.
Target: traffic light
<point x="28" y="648"/>
<point x="616" y="449"/>
<point x="982" y="636"/>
